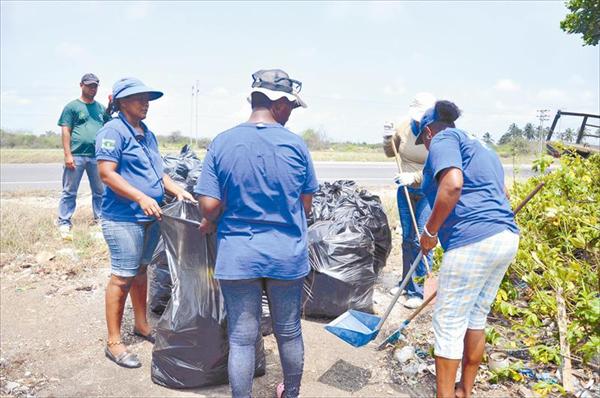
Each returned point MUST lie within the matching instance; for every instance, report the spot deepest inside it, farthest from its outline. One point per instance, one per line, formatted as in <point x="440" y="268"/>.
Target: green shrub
<point x="560" y="247"/>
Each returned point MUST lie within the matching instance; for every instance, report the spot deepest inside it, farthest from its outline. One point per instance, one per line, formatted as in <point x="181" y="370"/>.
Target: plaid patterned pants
<point x="467" y="286"/>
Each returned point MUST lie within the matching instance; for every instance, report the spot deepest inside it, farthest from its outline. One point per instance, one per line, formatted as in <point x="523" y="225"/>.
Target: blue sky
<point x="360" y="62"/>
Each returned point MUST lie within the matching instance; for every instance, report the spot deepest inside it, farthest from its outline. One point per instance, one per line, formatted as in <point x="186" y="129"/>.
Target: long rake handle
<point x="412" y="269"/>
<point x="528" y="197"/>
<point x="517" y="209"/>
<point x="421" y="307"/>
<point x="407" y="196"/>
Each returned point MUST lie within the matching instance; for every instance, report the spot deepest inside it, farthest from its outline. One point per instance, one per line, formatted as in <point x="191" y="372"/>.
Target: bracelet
<point x="429" y="235"/>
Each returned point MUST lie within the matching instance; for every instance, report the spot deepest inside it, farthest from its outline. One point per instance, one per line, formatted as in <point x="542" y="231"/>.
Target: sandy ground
<point x="52" y="337"/>
<point x="53" y="334"/>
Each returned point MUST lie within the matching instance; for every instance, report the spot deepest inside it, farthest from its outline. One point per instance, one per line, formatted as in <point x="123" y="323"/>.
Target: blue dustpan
<point x="355" y="327"/>
<point x="358" y="328"/>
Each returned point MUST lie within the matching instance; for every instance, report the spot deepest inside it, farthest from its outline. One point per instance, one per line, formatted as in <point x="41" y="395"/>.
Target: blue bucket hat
<point x="130" y="85"/>
<point x="429" y="117"/>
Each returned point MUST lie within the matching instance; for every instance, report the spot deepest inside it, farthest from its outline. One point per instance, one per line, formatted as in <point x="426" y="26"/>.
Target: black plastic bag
<point x="191" y="348"/>
<point x="192" y="177"/>
<point x="344" y="200"/>
<point x="159" y="290"/>
<point x="342" y="275"/>
<point x="179" y="168"/>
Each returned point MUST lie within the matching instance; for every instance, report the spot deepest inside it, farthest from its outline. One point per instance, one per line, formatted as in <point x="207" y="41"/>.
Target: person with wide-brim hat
<point x="412" y="159"/>
<point x="131" y="167"/>
<point x="256" y="188"/>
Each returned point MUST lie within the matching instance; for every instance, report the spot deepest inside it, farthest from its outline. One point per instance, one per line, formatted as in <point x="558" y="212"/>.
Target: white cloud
<point x="396" y="88"/>
<point x="576" y="80"/>
<point x="506" y="85"/>
<point x="500" y="105"/>
<point x="383" y="10"/>
<point x="70" y="50"/>
<point x="374" y="11"/>
<point x="306" y="52"/>
<point x="219" y="92"/>
<point x="552" y="95"/>
<point x="138" y="10"/>
<point x="11" y="97"/>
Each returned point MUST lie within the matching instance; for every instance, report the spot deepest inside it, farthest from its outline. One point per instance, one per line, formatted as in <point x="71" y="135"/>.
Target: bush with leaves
<point x="560" y="247"/>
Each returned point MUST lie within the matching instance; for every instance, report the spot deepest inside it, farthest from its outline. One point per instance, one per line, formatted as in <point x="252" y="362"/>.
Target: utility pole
<point x="542" y="115"/>
<point x="197" y="95"/>
<point x="192" y="115"/>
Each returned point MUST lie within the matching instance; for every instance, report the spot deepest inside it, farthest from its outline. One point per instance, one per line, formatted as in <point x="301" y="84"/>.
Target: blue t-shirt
<point x="138" y="162"/>
<point x="483" y="209"/>
<point x="258" y="172"/>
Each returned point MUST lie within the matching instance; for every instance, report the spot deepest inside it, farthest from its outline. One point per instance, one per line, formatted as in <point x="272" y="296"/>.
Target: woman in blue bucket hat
<point x="471" y="217"/>
<point x="131" y="167"/>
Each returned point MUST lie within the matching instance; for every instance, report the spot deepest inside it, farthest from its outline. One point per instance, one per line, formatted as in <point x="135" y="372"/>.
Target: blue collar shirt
<point x="482" y="209"/>
<point x="138" y="161"/>
<point x="259" y="172"/>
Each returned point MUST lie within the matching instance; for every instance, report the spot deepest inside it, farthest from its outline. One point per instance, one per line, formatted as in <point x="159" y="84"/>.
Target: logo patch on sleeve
<point x="108" y="144"/>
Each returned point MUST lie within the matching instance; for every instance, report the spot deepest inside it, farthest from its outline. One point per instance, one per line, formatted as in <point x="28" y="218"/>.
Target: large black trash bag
<point x="343" y="200"/>
<point x="192" y="177"/>
<point x="342" y="275"/>
<point x="191" y="348"/>
<point x="159" y="291"/>
<point x="179" y="167"/>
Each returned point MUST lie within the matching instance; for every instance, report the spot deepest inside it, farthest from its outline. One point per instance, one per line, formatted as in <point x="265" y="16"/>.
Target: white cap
<point x="420" y="104"/>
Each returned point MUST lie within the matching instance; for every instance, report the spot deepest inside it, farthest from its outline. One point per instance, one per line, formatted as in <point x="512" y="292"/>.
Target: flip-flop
<point x="125" y="359"/>
<point x="151" y="337"/>
<point x="280" y="390"/>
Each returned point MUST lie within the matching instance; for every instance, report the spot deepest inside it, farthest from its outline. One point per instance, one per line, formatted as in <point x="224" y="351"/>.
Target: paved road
<point x="43" y="176"/>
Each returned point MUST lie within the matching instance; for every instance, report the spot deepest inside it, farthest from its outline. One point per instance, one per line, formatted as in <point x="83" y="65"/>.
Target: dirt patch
<point x="53" y="332"/>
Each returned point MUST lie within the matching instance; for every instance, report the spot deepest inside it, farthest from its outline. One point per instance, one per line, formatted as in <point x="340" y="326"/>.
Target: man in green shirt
<point x="80" y="121"/>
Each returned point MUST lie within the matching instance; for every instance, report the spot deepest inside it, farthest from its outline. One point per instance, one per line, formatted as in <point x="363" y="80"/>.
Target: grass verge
<point x="56" y="156"/>
<point x="28" y="235"/>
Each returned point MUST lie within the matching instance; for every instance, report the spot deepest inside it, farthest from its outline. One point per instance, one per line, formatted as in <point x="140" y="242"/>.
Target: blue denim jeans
<point x="243" y="304"/>
<point x="70" y="182"/>
<point x="410" y="241"/>
<point x="131" y="245"/>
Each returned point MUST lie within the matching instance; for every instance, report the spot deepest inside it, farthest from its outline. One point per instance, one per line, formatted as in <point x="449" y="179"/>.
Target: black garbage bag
<point x="159" y="290"/>
<point x="343" y="200"/>
<point x="191" y="348"/>
<point x="325" y="200"/>
<point x="192" y="177"/>
<point x="179" y="168"/>
<point x="342" y="275"/>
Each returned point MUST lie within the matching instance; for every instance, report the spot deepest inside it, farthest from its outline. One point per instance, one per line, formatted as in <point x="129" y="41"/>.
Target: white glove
<point x="405" y="179"/>
<point x="388" y="129"/>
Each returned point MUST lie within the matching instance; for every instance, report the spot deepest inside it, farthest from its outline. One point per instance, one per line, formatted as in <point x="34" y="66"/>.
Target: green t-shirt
<point x="84" y="120"/>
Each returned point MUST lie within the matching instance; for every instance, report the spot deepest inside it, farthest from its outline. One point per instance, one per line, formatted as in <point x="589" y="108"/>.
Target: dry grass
<point x="31" y="155"/>
<point x="28" y="235"/>
<point x="388" y="200"/>
<point x="56" y="155"/>
<point x="349" y="156"/>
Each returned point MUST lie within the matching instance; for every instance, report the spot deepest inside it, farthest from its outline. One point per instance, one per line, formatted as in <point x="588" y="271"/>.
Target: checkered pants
<point x="467" y="285"/>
